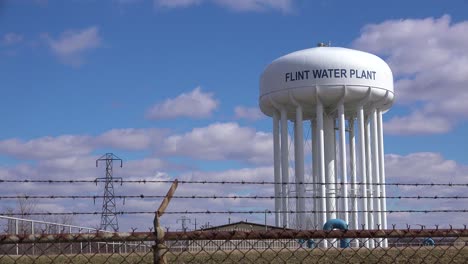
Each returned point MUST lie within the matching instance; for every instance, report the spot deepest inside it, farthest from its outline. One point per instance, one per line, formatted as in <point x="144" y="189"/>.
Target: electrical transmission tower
<point x="183" y="221"/>
<point x="109" y="213"/>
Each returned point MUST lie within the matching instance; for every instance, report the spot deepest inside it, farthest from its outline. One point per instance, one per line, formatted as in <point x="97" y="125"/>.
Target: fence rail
<point x="256" y="246"/>
<point x="33" y="241"/>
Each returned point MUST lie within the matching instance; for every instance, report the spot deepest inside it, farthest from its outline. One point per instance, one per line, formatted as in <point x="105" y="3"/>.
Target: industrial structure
<point x="341" y="95"/>
<point x="109" y="221"/>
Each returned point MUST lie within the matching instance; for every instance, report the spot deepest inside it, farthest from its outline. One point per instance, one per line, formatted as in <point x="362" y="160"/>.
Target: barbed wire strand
<point x="234" y="197"/>
<point x="145" y="181"/>
<point x="236" y="212"/>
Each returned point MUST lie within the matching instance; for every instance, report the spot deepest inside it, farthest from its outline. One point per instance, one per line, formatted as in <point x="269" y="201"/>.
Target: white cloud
<point x="195" y="104"/>
<point x="421" y="167"/>
<point x="176" y="3"/>
<point x="250" y="113"/>
<point x="71" y="46"/>
<point x="256" y="5"/>
<point x="425" y="167"/>
<point x="430" y="62"/>
<point x="221" y="141"/>
<point x="65" y="146"/>
<point x="418" y="123"/>
<point x="130" y="138"/>
<point x="46" y="147"/>
<point x="12" y="38"/>
<point x="236" y="5"/>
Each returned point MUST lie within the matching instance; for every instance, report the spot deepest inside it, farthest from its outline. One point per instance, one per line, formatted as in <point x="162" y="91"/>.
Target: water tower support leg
<point x="284" y="165"/>
<point x="299" y="168"/>
<point x="363" y="170"/>
<point x="370" y="186"/>
<point x="321" y="164"/>
<point x="352" y="160"/>
<point x="342" y="140"/>
<point x="315" y="173"/>
<point x="382" y="175"/>
<point x="330" y="155"/>
<point x="376" y="175"/>
<point x="277" y="167"/>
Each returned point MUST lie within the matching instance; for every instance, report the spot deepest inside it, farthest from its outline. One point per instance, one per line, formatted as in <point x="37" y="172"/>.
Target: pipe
<point x="284" y="165"/>
<point x="338" y="224"/>
<point x="335" y="187"/>
<point x="277" y="167"/>
<point x="330" y="153"/>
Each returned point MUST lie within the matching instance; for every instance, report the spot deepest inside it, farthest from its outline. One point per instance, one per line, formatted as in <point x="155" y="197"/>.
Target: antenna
<point x="109" y="212"/>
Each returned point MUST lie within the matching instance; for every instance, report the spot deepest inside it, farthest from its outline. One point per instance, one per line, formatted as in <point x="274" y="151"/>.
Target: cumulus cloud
<point x="221" y="141"/>
<point x="130" y="138"/>
<point x="65" y="146"/>
<point x="72" y="45"/>
<point x="430" y="62"/>
<point x="418" y="123"/>
<point x="236" y="5"/>
<point x="196" y="104"/>
<point x="425" y="167"/>
<point x="218" y="141"/>
<point x="12" y="38"/>
<point x="411" y="168"/>
<point x="176" y="3"/>
<point x="83" y="168"/>
<point x="256" y="5"/>
<point x="249" y="113"/>
<point x="46" y="147"/>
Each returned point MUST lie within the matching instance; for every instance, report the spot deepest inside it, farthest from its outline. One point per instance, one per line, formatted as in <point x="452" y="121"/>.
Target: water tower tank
<point x="343" y="93"/>
<point x="329" y="73"/>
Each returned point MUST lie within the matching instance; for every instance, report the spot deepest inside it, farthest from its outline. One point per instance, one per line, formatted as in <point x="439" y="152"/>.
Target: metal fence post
<point x="16" y="233"/>
<point x="32" y="232"/>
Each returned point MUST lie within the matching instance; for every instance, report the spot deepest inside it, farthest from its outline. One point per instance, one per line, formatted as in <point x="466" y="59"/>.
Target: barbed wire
<point x="208" y="212"/>
<point x="234" y="197"/>
<point x="145" y="181"/>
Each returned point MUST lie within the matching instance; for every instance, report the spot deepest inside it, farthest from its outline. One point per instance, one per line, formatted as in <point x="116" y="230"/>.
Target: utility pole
<point x="109" y="213"/>
<point x="183" y="222"/>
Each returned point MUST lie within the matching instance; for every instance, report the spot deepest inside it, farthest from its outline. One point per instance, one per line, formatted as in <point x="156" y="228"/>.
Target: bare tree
<point x="25" y="207"/>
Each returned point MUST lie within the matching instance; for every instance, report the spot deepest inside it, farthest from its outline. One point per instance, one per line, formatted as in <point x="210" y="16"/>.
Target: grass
<point x="411" y="255"/>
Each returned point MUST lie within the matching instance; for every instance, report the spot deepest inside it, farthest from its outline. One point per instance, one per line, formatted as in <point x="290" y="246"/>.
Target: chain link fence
<point x="239" y="246"/>
<point x="39" y="241"/>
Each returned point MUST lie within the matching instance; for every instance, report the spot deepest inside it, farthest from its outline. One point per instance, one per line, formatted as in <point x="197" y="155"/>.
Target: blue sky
<point x="81" y="78"/>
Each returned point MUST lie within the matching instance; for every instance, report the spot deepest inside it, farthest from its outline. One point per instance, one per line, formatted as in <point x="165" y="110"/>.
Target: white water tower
<point x="341" y="94"/>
